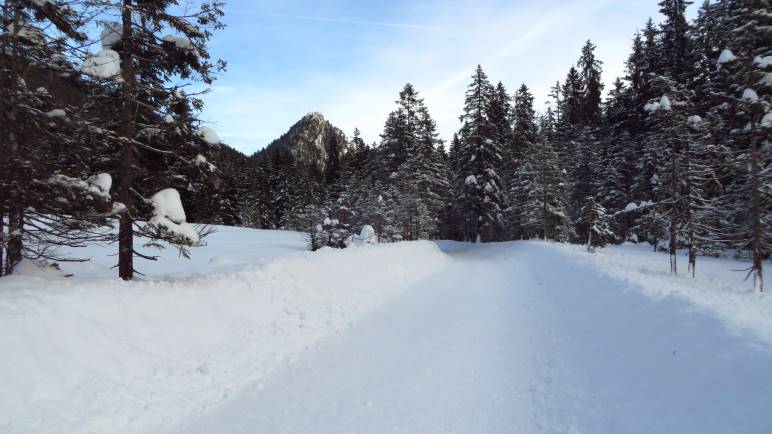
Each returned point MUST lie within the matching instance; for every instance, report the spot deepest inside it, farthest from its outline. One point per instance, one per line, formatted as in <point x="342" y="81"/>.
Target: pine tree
<point x="50" y="195"/>
<point x="479" y="159"/>
<point x="675" y="44"/>
<point x="742" y="87"/>
<point x="149" y="64"/>
<point x="590" y="70"/>
<point x="539" y="184"/>
<point x="522" y="165"/>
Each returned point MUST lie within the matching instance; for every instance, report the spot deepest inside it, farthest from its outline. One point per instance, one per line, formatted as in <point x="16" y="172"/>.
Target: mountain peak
<point x="308" y="140"/>
<point x="314" y="116"/>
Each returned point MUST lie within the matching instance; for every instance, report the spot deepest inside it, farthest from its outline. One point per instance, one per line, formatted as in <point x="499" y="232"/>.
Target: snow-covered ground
<point x="98" y="355"/>
<point x="253" y="335"/>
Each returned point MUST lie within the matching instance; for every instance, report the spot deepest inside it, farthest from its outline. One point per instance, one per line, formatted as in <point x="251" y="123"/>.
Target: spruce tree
<point x="479" y="160"/>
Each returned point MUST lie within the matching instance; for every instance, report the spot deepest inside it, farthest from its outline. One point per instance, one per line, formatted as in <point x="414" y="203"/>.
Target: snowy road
<point x="516" y="338"/>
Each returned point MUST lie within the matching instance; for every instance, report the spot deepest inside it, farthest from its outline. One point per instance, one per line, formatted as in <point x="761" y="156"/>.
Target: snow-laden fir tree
<point x="50" y="195"/>
<point x="744" y="95"/>
<point x="525" y="132"/>
<point x="479" y="162"/>
<point x="156" y="47"/>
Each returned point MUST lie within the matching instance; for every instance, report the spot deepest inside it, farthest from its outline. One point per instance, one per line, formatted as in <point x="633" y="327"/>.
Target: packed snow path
<point x="516" y="338"/>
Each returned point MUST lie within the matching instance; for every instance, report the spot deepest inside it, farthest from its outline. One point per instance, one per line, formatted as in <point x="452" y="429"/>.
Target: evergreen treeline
<point x="677" y="155"/>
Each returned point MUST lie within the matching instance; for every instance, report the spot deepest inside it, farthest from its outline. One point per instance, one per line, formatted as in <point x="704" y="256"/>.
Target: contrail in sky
<point x="338" y="20"/>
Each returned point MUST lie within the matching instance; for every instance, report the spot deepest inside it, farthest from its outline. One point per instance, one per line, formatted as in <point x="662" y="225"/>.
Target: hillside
<point x="309" y="141"/>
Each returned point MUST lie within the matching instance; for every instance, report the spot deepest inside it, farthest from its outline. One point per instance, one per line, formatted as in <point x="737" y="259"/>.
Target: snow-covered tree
<point x="156" y="130"/>
<point x="479" y="161"/>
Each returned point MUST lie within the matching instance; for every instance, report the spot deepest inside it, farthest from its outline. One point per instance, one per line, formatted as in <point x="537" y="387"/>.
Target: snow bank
<point x="106" y="356"/>
<point x="717" y="289"/>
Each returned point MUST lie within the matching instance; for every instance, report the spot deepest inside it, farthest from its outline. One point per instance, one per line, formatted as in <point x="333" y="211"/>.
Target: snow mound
<point x="366" y="236"/>
<point x="105" y="64"/>
<point x="766" y="121"/>
<point x="726" y="56"/>
<point x="39" y="269"/>
<point x="56" y="113"/>
<point x="209" y="135"/>
<point x="664" y="102"/>
<point x="169" y="215"/>
<point x="102" y="181"/>
<point x="750" y="95"/>
<point x="651" y="106"/>
<point x="104" y="356"/>
<point x="762" y="62"/>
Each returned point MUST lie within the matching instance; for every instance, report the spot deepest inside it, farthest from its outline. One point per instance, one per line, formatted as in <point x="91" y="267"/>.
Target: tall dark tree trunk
<point x="674" y="198"/>
<point x="14" y="245"/>
<point x="2" y="237"/>
<point x="689" y="211"/>
<point x="757" y="231"/>
<point x="125" y="229"/>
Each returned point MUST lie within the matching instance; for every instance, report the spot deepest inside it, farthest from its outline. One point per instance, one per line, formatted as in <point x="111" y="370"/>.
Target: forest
<point x="675" y="154"/>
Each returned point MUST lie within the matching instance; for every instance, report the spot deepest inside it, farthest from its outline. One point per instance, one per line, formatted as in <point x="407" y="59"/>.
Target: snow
<point x="632" y="206"/>
<point x="105" y="64"/>
<point x="256" y="335"/>
<point x="56" y="113"/>
<point x="181" y="43"/>
<point x="111" y="35"/>
<point x="30" y="268"/>
<point x="694" y="120"/>
<point x="664" y="102"/>
<point x="726" y="56"/>
<point x="209" y="135"/>
<point x="102" y="181"/>
<point x="471" y="180"/>
<point x="169" y="215"/>
<point x="651" y="106"/>
<point x="766" y="80"/>
<point x="762" y="62"/>
<point x="766" y="121"/>
<point x="366" y="236"/>
<point x="750" y="95"/>
<point x="654" y="105"/>
<point x="98" y="355"/>
<point x="563" y="347"/>
<point x="98" y="185"/>
<point x="202" y="161"/>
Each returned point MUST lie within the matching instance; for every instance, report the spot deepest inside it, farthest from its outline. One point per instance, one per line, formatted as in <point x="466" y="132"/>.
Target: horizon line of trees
<point x="677" y="154"/>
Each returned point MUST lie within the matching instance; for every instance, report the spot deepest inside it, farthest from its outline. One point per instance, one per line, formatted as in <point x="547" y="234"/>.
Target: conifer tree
<point x="148" y="130"/>
<point x="479" y="160"/>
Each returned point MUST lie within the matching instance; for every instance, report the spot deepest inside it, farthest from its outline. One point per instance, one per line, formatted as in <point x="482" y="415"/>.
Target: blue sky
<point x="349" y="59"/>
